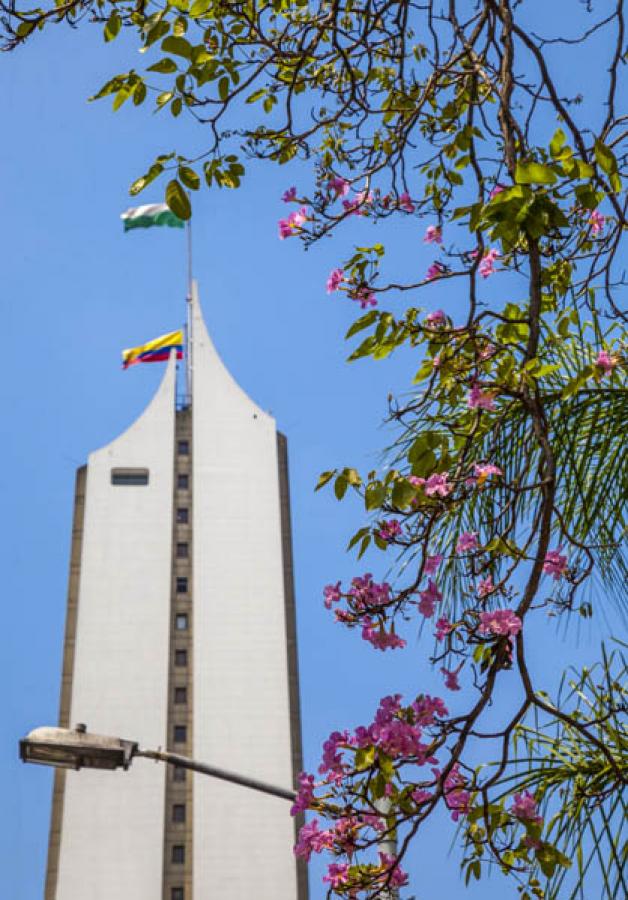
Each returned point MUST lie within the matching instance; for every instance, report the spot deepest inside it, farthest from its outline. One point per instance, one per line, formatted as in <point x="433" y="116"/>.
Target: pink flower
<point x="435" y="271"/>
<point x="555" y="564"/>
<point x="289" y="195"/>
<point x="336" y="277"/>
<point x="479" y="399"/>
<point x="364" y="297"/>
<point x="496" y="190"/>
<point x="437" y="484"/>
<point x="443" y="628"/>
<point x="429" y="598"/>
<point x="397" y="876"/>
<point x="366" y="593"/>
<point x="500" y="621"/>
<point x="606" y="362"/>
<point x="305" y="793"/>
<point x="340" y="186"/>
<point x="337" y="874"/>
<point x="433" y="235"/>
<point x="596" y="221"/>
<point x="379" y="638"/>
<point x="435" y="319"/>
<point x="487" y="263"/>
<point x="456" y="798"/>
<point x="331" y="594"/>
<point x="389" y="530"/>
<point x="358" y="207"/>
<point x="292" y="225"/>
<point x="482" y="471"/>
<point x="426" y="709"/>
<point x="421" y="796"/>
<point x="406" y="203"/>
<point x="451" y="678"/>
<point x="467" y="541"/>
<point x="431" y="564"/>
<point x="332" y="756"/>
<point x="311" y="839"/>
<point x="525" y="807"/>
<point x="485" y="587"/>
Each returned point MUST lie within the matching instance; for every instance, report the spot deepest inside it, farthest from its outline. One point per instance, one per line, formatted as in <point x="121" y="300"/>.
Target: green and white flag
<point x="147" y="216"/>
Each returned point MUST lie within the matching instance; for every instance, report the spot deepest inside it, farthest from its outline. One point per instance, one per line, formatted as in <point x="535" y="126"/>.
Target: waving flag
<point x="147" y="216"/>
<point x="157" y="350"/>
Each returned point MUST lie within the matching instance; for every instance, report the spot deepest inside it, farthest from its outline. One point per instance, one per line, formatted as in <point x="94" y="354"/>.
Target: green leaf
<point x="177" y="45"/>
<point x="534" y="173"/>
<point x="605" y="158"/>
<point x="362" y="323"/>
<point x="403" y="493"/>
<point x="178" y="200"/>
<point x="374" y="495"/>
<point x="223" y="88"/>
<point x="340" y="487"/>
<point x="166" y="66"/>
<point x="113" y="26"/>
<point x="324" y="478"/>
<point x="189" y="178"/>
<point x="557" y="142"/>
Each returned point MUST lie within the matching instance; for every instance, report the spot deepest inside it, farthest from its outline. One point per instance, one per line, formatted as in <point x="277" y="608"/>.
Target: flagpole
<point x="188" y="329"/>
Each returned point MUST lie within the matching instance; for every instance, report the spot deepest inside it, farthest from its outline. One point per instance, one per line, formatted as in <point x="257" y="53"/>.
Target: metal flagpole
<point x="188" y="327"/>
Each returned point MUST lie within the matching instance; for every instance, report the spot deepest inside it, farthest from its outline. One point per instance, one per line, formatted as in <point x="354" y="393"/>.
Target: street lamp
<point x="78" y="749"/>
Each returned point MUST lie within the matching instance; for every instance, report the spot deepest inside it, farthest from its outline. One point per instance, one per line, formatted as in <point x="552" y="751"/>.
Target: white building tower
<point x="181" y="634"/>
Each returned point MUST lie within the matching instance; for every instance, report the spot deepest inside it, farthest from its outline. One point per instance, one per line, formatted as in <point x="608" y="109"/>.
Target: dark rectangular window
<point x="180" y="734"/>
<point x="182" y="551"/>
<point x="180" y="695"/>
<point x="180" y="657"/>
<point x="182" y="515"/>
<point x="129" y="476"/>
<point x="176" y="893"/>
<point x="178" y="774"/>
<point x="178" y="812"/>
<point x="183" y="448"/>
<point x="183" y="482"/>
<point x="182" y="584"/>
<point x="181" y="622"/>
<point x="178" y="853"/>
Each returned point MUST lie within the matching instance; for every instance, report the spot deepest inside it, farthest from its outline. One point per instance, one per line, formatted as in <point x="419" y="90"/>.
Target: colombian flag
<point x="157" y="350"/>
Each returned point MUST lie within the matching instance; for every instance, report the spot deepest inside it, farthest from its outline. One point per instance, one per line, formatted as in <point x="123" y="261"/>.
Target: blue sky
<point x="75" y="291"/>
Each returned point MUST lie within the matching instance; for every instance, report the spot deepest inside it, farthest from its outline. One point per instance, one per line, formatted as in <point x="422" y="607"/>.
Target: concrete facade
<point x="181" y="633"/>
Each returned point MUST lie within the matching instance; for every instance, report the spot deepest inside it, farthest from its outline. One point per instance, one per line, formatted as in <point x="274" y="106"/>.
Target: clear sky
<point x="75" y="290"/>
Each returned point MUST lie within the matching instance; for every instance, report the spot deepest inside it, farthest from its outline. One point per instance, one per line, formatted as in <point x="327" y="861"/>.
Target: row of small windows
<point x="140" y="477"/>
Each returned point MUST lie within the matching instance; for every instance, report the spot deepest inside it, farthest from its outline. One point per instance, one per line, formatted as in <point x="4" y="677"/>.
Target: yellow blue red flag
<point x="157" y="350"/>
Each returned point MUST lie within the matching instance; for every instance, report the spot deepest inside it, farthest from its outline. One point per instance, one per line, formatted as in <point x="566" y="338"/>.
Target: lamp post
<point x="79" y="749"/>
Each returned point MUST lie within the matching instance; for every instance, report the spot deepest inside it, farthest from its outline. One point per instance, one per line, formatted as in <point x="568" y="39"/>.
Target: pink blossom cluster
<point x="443" y="628"/>
<point x="436" y="484"/>
<point x="380" y="638"/>
<point x="429" y="598"/>
<point x="457" y="798"/>
<point x="435" y="319"/>
<point x="365" y="593"/>
<point x="405" y="203"/>
<point x="606" y="362"/>
<point x="331" y="594"/>
<point x="467" y="541"/>
<point x="290" y="195"/>
<point x="337" y="874"/>
<point x="394" y="875"/>
<point x="555" y="564"/>
<point x="501" y="622"/>
<point x="432" y="563"/>
<point x="312" y="840"/>
<point x="435" y="271"/>
<point x="336" y="277"/>
<point x="451" y="677"/>
<point x="359" y="205"/>
<point x="389" y="529"/>
<point x="525" y="807"/>
<point x="332" y="760"/>
<point x="482" y="471"/>
<point x="305" y="793"/>
<point x="292" y="224"/>
<point x="596" y="221"/>
<point x="364" y="296"/>
<point x="479" y="399"/>
<point x="339" y="186"/>
<point x="433" y="235"/>
<point x="485" y="587"/>
<point x="487" y="263"/>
